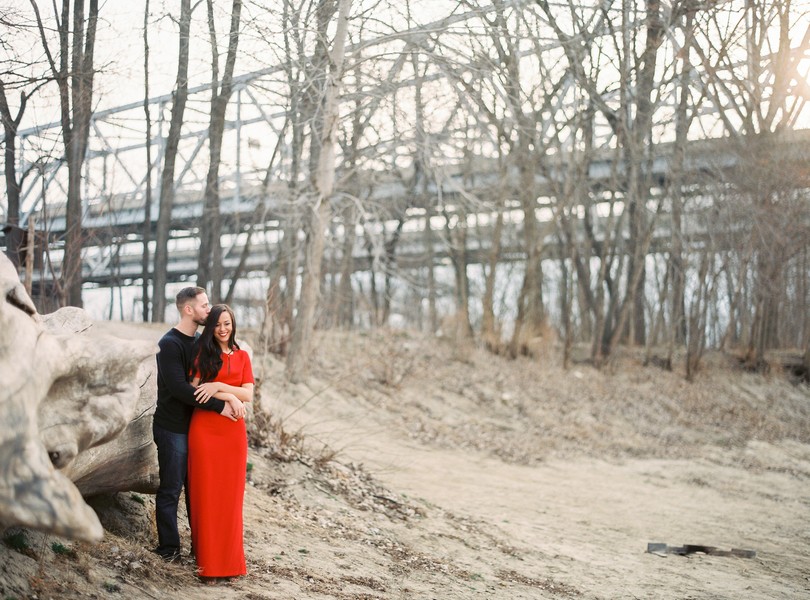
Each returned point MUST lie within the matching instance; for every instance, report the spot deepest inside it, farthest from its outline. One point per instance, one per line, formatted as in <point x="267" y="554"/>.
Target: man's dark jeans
<point x="173" y="464"/>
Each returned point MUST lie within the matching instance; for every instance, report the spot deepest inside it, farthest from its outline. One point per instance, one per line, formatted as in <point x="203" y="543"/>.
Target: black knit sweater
<point x="175" y="395"/>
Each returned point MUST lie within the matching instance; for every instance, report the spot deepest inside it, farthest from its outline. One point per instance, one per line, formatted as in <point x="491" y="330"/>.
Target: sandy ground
<point x="411" y="468"/>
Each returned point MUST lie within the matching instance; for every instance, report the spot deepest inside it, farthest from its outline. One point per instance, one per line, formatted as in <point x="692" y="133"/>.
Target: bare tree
<point x="323" y="146"/>
<point x="524" y="147"/>
<point x="419" y="186"/>
<point x="757" y="109"/>
<point x="147" y="203"/>
<point x="74" y="77"/>
<point x="503" y="97"/>
<point x="455" y="228"/>
<point x="572" y="109"/>
<point x="283" y="273"/>
<point x="356" y="187"/>
<point x="676" y="267"/>
<point x="343" y="295"/>
<point x="17" y="78"/>
<point x="167" y="189"/>
<point x="490" y="329"/>
<point x="632" y="124"/>
<point x="16" y="242"/>
<point x="209" y="267"/>
<point x="575" y="250"/>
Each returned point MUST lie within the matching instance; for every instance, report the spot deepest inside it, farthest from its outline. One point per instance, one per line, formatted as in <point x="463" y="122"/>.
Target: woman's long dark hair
<point x="207" y="352"/>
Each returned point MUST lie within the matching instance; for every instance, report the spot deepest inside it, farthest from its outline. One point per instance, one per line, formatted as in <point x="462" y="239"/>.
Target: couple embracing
<point x="203" y="382"/>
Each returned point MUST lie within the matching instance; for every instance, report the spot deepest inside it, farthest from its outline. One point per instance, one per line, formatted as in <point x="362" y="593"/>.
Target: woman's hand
<point x="237" y="405"/>
<point x="206" y="391"/>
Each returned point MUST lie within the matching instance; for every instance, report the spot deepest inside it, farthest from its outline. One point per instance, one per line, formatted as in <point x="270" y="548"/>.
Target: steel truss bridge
<point x="114" y="225"/>
<point x="115" y="182"/>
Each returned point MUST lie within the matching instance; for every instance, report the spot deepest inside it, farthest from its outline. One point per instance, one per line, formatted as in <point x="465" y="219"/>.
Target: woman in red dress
<point x="217" y="453"/>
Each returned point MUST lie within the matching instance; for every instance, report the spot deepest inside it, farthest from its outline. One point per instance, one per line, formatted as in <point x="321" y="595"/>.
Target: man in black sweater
<point x="175" y="403"/>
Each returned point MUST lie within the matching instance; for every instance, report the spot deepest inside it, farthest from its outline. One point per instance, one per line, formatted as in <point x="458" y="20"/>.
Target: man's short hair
<point x="188" y="294"/>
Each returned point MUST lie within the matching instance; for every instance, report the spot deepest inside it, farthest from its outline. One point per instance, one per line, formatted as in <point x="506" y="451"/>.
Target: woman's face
<point x="223" y="329"/>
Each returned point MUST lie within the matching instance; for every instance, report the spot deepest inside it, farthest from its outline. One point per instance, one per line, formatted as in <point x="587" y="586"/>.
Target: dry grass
<point x="527" y="409"/>
<point x="442" y="395"/>
<point x="54" y="567"/>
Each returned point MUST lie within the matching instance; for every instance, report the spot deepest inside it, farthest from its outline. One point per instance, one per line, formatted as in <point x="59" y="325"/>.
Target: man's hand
<point x="206" y="391"/>
<point x="227" y="411"/>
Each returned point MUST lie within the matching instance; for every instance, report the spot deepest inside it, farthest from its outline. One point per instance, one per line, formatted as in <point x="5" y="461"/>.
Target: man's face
<point x="200" y="308"/>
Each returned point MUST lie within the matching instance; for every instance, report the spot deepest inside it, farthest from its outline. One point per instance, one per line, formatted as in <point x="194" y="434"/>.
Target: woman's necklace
<point x="228" y="352"/>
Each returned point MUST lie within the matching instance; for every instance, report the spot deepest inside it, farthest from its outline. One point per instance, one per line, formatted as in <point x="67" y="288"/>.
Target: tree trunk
<point x="490" y="332"/>
<point x="323" y="136"/>
<point x="766" y="311"/>
<point x="209" y="267"/>
<point x="82" y="101"/>
<point x="167" y="188"/>
<point x="15" y="237"/>
<point x="345" y="295"/>
<point x="147" y="205"/>
<point x="389" y="263"/>
<point x="433" y="316"/>
<point x="607" y="251"/>
<point x="640" y="139"/>
<point x="530" y="312"/>
<point x="29" y="256"/>
<point x="457" y="246"/>
<point x="696" y="340"/>
<point x="676" y="266"/>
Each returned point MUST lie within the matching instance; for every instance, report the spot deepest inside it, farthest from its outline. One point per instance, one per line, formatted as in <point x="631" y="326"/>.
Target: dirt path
<point x="587" y="523"/>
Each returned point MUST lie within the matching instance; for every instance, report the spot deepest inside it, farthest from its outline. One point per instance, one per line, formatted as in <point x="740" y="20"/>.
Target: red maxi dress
<point x="217" y="463"/>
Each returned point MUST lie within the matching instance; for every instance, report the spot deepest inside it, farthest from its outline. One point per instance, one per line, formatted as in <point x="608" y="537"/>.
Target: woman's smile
<point x="223" y="329"/>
